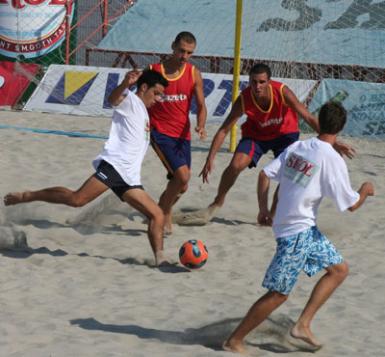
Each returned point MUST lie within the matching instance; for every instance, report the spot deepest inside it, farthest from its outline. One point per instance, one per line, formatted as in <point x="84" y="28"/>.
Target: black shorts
<point x="110" y="177"/>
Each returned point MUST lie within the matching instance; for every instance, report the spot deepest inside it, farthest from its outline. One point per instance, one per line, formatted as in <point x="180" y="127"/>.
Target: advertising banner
<point x="33" y="28"/>
<point x="13" y="83"/>
<point x="365" y="103"/>
<point x="84" y="90"/>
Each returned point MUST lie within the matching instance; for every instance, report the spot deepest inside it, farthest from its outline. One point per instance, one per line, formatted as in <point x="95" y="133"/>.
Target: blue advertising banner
<point x="365" y="103"/>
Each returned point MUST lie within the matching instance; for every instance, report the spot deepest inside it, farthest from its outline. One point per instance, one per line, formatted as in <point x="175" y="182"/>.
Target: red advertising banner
<point x="13" y="83"/>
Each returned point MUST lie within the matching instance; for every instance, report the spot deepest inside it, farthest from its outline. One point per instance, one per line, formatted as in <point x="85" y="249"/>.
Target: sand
<point x="87" y="287"/>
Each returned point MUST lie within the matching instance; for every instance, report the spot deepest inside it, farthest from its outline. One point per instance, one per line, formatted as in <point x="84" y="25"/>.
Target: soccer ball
<point x="193" y="254"/>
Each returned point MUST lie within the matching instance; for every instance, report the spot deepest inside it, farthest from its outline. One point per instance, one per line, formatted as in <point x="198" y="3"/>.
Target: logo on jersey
<point x="272" y="121"/>
<point x="172" y="98"/>
<point x="299" y="170"/>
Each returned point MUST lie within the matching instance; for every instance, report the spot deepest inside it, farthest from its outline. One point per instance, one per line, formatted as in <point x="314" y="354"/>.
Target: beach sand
<point x="89" y="288"/>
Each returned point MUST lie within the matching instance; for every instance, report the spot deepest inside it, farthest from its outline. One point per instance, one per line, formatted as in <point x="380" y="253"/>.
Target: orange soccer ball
<point x="193" y="254"/>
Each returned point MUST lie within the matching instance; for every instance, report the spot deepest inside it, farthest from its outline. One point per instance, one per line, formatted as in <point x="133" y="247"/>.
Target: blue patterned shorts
<point x="308" y="250"/>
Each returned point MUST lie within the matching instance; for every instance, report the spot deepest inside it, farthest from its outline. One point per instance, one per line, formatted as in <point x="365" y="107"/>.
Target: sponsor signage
<point x="364" y="102"/>
<point x="84" y="90"/>
<point x="32" y="28"/>
<point x="12" y="83"/>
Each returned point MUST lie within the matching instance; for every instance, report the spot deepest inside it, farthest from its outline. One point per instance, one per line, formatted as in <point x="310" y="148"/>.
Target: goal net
<point x="335" y="47"/>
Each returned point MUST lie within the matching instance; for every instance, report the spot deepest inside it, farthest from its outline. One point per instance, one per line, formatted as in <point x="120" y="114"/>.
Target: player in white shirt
<point x="306" y="171"/>
<point x="118" y="166"/>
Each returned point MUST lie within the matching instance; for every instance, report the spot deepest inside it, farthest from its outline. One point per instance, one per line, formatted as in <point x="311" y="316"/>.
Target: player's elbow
<point x="263" y="176"/>
<point x="201" y="107"/>
<point x="113" y="101"/>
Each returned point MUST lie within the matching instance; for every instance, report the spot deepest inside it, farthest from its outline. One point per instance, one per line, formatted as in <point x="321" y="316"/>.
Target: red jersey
<point x="171" y="115"/>
<point x="268" y="124"/>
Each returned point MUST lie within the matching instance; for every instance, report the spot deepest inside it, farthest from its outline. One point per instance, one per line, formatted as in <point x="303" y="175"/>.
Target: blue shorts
<point x="256" y="148"/>
<point x="173" y="152"/>
<point x="309" y="251"/>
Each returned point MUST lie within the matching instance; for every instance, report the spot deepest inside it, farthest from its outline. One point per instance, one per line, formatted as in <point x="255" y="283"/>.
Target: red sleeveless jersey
<point x="171" y="115"/>
<point x="277" y="120"/>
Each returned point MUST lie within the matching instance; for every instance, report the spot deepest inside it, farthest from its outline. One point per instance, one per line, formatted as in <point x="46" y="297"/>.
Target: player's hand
<point x="201" y="132"/>
<point x="207" y="168"/>
<point x="131" y="77"/>
<point x="264" y="218"/>
<point x="344" y="149"/>
<point x="368" y="188"/>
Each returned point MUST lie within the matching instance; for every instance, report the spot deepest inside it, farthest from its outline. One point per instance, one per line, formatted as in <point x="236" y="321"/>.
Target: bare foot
<point x="234" y="346"/>
<point x="164" y="263"/>
<point x="305" y="335"/>
<point x="161" y="260"/>
<point x="166" y="232"/>
<point x="13" y="198"/>
<point x="211" y="210"/>
<point x="198" y="217"/>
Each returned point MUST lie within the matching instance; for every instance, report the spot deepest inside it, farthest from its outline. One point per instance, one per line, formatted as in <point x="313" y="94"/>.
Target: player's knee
<point x="157" y="216"/>
<point x="183" y="179"/>
<point x="236" y="167"/>
<point x="340" y="271"/>
<point x="77" y="201"/>
<point x="343" y="270"/>
<point x="277" y="297"/>
<point x="183" y="189"/>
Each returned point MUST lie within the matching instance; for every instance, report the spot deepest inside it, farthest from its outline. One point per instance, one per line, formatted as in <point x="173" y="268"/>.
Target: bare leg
<point x="141" y="201"/>
<point x="176" y="186"/>
<point x="238" y="163"/>
<point x="261" y="309"/>
<point x="334" y="276"/>
<point x="90" y="189"/>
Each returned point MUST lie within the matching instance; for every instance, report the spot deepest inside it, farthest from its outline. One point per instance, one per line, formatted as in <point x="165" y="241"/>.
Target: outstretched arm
<point x="366" y="189"/>
<point x="293" y="102"/>
<point x="201" y="106"/>
<point x="235" y="114"/>
<point x="116" y="95"/>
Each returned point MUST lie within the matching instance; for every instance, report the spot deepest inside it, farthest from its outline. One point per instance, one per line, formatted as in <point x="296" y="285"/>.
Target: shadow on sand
<point x="28" y="252"/>
<point x="82" y="228"/>
<point x="271" y="335"/>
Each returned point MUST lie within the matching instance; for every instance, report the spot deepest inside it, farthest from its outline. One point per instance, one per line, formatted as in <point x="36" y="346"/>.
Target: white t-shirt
<point x="307" y="171"/>
<point x="128" y="139"/>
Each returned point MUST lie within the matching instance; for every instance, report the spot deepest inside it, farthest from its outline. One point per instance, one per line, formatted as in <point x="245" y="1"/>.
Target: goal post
<point x="237" y="67"/>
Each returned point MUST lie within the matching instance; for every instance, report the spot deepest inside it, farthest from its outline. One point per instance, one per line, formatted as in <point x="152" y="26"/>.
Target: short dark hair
<point x="151" y="78"/>
<point x="332" y="118"/>
<point x="260" y="68"/>
<point x="185" y="36"/>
